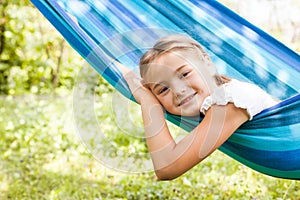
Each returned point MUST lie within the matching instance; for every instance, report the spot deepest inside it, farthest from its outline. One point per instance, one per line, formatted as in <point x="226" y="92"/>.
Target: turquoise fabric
<point x="270" y="143"/>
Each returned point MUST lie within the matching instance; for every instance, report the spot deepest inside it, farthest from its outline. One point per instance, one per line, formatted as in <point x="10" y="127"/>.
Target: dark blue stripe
<point x="92" y="20"/>
<point x="283" y="114"/>
<point x="279" y="160"/>
<point x="125" y="12"/>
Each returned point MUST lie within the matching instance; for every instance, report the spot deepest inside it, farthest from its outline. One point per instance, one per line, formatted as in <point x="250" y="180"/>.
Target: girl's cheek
<point x="160" y="99"/>
<point x="165" y="101"/>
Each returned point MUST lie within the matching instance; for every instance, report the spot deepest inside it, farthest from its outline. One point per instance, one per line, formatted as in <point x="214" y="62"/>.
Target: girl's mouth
<point x="187" y="99"/>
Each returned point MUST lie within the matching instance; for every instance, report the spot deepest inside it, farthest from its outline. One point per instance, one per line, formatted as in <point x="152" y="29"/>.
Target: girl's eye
<point x="185" y="74"/>
<point x="163" y="90"/>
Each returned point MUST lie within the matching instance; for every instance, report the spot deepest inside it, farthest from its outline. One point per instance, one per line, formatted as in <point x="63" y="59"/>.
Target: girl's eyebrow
<point x="157" y="85"/>
<point x="180" y="67"/>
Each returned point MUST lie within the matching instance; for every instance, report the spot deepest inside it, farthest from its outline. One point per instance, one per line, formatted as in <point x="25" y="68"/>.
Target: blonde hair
<point x="176" y="42"/>
<point x="168" y="44"/>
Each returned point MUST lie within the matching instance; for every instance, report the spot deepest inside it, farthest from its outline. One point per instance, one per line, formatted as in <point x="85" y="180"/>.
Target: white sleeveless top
<point x="243" y="95"/>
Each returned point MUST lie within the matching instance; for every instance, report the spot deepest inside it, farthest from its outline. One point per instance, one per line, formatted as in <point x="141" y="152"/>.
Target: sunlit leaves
<point x="42" y="158"/>
<point x="34" y="54"/>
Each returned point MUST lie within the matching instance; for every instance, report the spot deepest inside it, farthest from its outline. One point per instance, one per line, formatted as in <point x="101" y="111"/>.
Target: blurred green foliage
<point x="34" y="57"/>
<point x="43" y="158"/>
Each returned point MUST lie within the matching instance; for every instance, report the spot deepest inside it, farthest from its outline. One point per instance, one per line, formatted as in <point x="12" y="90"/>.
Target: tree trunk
<point x="3" y="4"/>
<point x="55" y="73"/>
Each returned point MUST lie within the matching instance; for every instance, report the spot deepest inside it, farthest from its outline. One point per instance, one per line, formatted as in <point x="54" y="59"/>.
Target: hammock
<point x="270" y="143"/>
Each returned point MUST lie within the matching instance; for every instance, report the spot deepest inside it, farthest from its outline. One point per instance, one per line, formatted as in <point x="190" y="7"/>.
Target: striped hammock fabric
<point x="270" y="143"/>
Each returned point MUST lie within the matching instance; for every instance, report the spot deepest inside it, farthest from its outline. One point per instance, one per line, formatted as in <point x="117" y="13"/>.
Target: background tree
<point x="33" y="56"/>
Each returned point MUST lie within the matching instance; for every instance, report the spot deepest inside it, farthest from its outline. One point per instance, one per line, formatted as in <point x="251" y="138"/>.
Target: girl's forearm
<point x="159" y="140"/>
<point x="156" y="130"/>
<point x="171" y="160"/>
<point x="166" y="155"/>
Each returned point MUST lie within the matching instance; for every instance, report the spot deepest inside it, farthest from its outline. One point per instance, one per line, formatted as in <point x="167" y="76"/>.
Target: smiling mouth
<point x="186" y="100"/>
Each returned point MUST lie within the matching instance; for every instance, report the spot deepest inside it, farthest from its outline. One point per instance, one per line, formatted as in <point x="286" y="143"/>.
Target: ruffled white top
<point x="242" y="94"/>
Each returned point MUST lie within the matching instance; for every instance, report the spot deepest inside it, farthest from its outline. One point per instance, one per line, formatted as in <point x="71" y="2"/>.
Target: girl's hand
<point x="134" y="82"/>
<point x="138" y="90"/>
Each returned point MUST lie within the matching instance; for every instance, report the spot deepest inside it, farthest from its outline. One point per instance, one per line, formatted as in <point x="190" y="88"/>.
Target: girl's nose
<point x="179" y="88"/>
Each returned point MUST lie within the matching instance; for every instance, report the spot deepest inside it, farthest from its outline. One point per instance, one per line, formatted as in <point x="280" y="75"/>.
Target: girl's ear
<point x="207" y="59"/>
<point x="204" y="57"/>
<point x="209" y="64"/>
<point x="221" y="79"/>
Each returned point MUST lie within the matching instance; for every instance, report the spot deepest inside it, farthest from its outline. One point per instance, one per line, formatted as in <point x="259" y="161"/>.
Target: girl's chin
<point x="187" y="114"/>
<point x="194" y="111"/>
<point x="191" y="114"/>
<point x="190" y="111"/>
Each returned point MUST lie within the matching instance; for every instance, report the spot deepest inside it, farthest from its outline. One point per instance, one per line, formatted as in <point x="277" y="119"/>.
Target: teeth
<point x="186" y="100"/>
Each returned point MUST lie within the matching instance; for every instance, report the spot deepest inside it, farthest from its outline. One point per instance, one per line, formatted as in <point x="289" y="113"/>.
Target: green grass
<point x="42" y="157"/>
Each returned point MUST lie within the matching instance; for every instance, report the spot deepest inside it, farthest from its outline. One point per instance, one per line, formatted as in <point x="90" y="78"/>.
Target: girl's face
<point x="178" y="83"/>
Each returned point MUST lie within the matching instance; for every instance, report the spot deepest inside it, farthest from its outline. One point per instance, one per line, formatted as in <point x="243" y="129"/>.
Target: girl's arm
<point x="171" y="160"/>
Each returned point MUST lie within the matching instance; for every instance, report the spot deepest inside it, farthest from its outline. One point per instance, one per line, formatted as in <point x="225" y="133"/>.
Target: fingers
<point x="124" y="69"/>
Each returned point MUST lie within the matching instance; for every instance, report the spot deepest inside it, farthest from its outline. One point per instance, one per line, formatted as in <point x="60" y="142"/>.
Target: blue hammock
<point x="270" y="143"/>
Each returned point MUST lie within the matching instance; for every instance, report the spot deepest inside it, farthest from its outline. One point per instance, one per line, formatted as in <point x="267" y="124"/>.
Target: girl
<point x="179" y="77"/>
